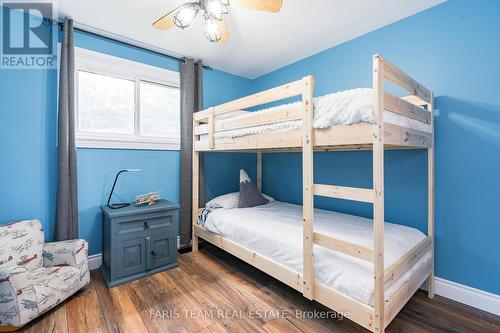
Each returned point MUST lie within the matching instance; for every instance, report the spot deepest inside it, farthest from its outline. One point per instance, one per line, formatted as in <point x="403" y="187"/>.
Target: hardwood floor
<point x="213" y="292"/>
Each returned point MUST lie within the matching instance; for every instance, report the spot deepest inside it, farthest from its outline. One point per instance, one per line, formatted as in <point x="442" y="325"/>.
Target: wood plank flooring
<point x="213" y="292"/>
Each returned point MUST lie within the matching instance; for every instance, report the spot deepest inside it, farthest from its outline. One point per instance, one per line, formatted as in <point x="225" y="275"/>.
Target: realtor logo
<point x="28" y="38"/>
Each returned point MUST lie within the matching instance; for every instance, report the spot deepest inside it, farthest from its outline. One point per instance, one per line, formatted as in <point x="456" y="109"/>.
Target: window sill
<point x="100" y="143"/>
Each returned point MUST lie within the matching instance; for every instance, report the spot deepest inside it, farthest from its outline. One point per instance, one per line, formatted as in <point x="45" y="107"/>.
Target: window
<point x="160" y="105"/>
<point x="125" y="104"/>
<point x="105" y="104"/>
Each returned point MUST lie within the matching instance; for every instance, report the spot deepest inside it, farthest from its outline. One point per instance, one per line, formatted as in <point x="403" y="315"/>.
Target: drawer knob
<point x="146" y="225"/>
<point x="154" y="253"/>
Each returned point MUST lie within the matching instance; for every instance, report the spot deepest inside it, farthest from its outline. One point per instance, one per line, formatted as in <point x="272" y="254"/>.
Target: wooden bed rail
<point x="267" y="96"/>
<point x="394" y="272"/>
<point x="296" y="88"/>
<point x="403" y="80"/>
<point x="405" y="108"/>
<point x="344" y="192"/>
<point x="293" y="112"/>
<point x="343" y="246"/>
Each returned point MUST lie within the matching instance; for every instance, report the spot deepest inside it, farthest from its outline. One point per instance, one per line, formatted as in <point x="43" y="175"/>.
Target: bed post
<point x="259" y="171"/>
<point x="378" y="186"/>
<point x="211" y="128"/>
<point x="307" y="192"/>
<point x="430" y="197"/>
<point x="196" y="180"/>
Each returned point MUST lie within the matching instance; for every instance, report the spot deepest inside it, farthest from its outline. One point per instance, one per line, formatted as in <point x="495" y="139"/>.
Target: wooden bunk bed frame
<point x="377" y="136"/>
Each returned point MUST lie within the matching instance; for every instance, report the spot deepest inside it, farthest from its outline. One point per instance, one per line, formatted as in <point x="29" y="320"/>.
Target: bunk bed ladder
<point x="374" y="196"/>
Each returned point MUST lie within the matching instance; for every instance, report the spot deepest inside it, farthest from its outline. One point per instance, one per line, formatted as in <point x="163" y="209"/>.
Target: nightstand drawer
<point x="130" y="227"/>
<point x="162" y="222"/>
<point x="142" y="226"/>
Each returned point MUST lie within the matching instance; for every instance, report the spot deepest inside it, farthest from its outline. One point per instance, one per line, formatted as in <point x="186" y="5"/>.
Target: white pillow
<point x="230" y="200"/>
<point x="268" y="197"/>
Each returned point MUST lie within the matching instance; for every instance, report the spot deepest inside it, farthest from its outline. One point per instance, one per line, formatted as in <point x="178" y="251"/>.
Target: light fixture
<point x="216" y="9"/>
<point x="213" y="12"/>
<point x="212" y="30"/>
<point x="186" y="14"/>
<point x="119" y="205"/>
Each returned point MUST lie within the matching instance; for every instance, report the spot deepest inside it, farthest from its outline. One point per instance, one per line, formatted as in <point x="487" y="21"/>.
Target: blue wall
<point x="28" y="153"/>
<point x="27" y="146"/>
<point x="454" y="49"/>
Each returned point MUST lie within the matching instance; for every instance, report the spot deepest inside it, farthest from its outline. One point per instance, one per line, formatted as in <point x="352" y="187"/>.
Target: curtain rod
<point x="51" y="21"/>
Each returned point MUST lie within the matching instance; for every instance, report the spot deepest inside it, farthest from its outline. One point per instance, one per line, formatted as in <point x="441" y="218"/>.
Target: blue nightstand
<point x="139" y="241"/>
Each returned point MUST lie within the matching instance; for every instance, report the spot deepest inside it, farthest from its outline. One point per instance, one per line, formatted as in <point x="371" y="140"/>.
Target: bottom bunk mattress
<point x="275" y="231"/>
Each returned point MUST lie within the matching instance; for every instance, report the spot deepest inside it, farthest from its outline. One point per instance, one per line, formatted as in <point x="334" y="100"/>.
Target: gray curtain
<point x="67" y="201"/>
<point x="191" y="101"/>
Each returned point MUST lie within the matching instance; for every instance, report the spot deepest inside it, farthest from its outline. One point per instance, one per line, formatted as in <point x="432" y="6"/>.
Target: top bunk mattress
<point x="274" y="230"/>
<point x="340" y="108"/>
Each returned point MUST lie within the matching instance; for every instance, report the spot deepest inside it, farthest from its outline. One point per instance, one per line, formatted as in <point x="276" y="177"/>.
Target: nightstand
<point x="139" y="241"/>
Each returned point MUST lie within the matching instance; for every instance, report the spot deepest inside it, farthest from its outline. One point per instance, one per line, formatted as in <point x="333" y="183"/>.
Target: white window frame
<point x="99" y="63"/>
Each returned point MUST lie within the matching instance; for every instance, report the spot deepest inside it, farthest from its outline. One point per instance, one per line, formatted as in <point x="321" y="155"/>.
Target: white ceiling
<point x="260" y="42"/>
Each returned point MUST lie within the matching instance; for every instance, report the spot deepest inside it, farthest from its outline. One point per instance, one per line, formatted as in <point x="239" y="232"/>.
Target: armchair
<point x="36" y="276"/>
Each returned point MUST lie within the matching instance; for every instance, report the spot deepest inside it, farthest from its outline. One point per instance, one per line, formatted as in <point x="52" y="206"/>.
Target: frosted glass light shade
<point x="186" y="14"/>
<point x="212" y="30"/>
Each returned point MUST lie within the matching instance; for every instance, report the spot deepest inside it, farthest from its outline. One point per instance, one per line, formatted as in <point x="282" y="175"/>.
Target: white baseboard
<point x="467" y="295"/>
<point x="95" y="261"/>
<point x="458" y="292"/>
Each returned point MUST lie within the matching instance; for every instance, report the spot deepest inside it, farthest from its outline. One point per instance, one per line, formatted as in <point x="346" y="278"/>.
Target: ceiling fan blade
<point x="166" y="21"/>
<point x="224" y="32"/>
<point x="272" y="6"/>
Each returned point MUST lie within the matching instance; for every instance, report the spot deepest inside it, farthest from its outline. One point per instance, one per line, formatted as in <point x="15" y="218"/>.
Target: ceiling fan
<point x="214" y="12"/>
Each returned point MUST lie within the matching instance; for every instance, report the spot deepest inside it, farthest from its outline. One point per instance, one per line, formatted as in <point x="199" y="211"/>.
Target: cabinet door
<point x="130" y="257"/>
<point x="162" y="249"/>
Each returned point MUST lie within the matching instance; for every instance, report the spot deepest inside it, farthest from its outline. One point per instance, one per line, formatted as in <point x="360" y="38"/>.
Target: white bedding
<point x="275" y="230"/>
<point x="340" y="108"/>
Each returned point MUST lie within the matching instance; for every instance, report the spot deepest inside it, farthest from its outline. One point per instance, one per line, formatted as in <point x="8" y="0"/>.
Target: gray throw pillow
<point x="249" y="194"/>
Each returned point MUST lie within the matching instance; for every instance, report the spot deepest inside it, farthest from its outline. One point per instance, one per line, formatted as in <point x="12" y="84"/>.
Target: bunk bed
<point x="293" y="127"/>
